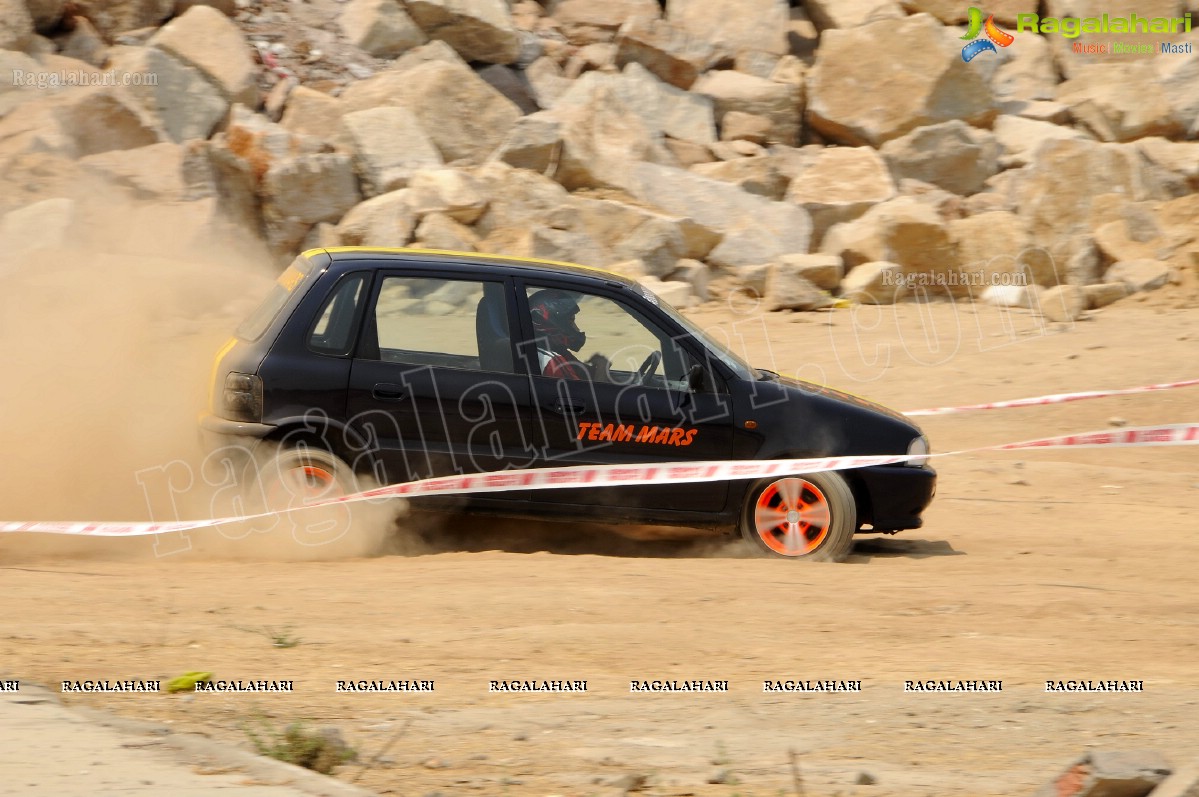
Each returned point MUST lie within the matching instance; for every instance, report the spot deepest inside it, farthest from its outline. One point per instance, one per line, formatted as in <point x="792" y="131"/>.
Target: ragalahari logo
<point x="995" y="36"/>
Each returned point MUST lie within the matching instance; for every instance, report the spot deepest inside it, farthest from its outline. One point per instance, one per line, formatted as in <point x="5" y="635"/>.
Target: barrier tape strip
<point x="627" y="475"/>
<point x="1053" y="398"/>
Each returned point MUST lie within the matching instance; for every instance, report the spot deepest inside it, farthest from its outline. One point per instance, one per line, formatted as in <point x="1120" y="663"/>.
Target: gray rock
<point x="114" y="17"/>
<point x="479" y="30"/>
<point x="585" y="22"/>
<point x="657" y="242"/>
<point x="1139" y="275"/>
<point x="785" y="289"/>
<point x="450" y="192"/>
<point x="1101" y="773"/>
<point x="389" y="146"/>
<point x="99" y="120"/>
<point x="310" y="188"/>
<point x="85" y="44"/>
<point x="1063" y="303"/>
<point x="756" y="230"/>
<point x="734" y="25"/>
<point x="781" y="103"/>
<point x="669" y="52"/>
<point x="512" y="84"/>
<point x="439" y="231"/>
<point x="876" y="282"/>
<point x="385" y="220"/>
<point x="465" y="117"/>
<point x="206" y="39"/>
<point x="927" y="82"/>
<point x="823" y="271"/>
<point x="1104" y="293"/>
<point x="184" y="103"/>
<point x="380" y="27"/>
<point x="1120" y="102"/>
<point x="951" y="155"/>
<point x="839" y="184"/>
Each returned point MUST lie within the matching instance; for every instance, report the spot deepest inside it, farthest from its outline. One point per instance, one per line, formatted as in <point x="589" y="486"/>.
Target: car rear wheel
<point x="296" y="477"/>
<point x="811" y="516"/>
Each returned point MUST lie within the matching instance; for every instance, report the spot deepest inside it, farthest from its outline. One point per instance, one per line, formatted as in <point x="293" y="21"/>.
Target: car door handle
<point x="386" y="391"/>
<point x="567" y="407"/>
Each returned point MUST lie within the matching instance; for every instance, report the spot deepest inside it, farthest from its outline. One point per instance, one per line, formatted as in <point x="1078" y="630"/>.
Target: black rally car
<point x="407" y="364"/>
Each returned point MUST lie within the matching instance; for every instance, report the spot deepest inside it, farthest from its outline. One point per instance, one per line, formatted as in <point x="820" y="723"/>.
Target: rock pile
<point x="803" y="150"/>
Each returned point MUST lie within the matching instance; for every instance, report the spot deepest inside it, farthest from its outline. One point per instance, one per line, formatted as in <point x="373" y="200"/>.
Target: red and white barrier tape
<point x="1179" y="434"/>
<point x="1053" y="398"/>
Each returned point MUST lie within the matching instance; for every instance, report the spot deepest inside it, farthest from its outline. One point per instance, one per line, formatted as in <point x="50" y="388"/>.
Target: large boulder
<point x="517" y="198"/>
<point x="734" y="25"/>
<point x="16" y="25"/>
<point x="1018" y="138"/>
<point x="585" y="22"/>
<point x="760" y="175"/>
<point x="670" y="52"/>
<point x="208" y="40"/>
<point x="534" y="142"/>
<point x="603" y="137"/>
<point x="843" y="14"/>
<point x="999" y="247"/>
<point x="449" y="192"/>
<point x="1178" y="76"/>
<point x="839" y="184"/>
<point x="1025" y="71"/>
<point x="157" y="172"/>
<point x="389" y="146"/>
<point x="614" y="223"/>
<point x="384" y="220"/>
<point x="1058" y="188"/>
<point x="952" y="12"/>
<point x="112" y="17"/>
<point x="313" y="113"/>
<point x="464" y="116"/>
<point x="877" y="82"/>
<point x="380" y="27"/>
<point x="1120" y="102"/>
<point x="756" y="230"/>
<point x="311" y="188"/>
<point x="479" y="30"/>
<point x="182" y="100"/>
<point x="99" y="120"/>
<point x="903" y="230"/>
<point x="786" y="289"/>
<point x="952" y="155"/>
<point x="1069" y="62"/>
<point x="682" y="115"/>
<point x="781" y="103"/>
<point x="46" y="14"/>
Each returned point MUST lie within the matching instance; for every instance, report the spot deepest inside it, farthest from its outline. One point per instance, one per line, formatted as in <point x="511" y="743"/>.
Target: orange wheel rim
<point x="306" y="482"/>
<point x="792" y="517"/>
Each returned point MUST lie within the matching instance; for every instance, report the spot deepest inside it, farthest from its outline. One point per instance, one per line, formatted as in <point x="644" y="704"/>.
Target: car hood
<point x="839" y="395"/>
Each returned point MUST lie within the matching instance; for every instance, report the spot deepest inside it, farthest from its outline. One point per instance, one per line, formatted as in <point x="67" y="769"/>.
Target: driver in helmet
<point x="558" y="338"/>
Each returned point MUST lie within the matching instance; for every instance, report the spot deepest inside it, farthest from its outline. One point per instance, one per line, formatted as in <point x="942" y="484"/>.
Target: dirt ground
<point x="1032" y="566"/>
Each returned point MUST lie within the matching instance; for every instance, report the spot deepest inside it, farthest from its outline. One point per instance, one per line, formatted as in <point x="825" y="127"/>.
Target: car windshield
<point x="261" y="319"/>
<point x="718" y="349"/>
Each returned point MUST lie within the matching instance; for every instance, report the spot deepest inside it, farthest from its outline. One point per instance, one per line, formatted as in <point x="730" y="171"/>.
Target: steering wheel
<point x="648" y="367"/>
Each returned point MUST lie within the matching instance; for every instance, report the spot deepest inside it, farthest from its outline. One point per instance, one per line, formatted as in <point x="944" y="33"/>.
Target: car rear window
<point x="261" y="319"/>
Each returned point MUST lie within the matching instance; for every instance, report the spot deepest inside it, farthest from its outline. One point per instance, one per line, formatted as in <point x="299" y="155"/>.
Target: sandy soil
<point x="1045" y="565"/>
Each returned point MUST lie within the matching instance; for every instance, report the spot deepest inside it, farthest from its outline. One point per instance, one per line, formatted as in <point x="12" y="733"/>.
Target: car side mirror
<point x="695" y="378"/>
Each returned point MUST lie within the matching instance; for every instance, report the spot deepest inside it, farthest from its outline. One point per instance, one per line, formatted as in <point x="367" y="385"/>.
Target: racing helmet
<point x="554" y="314"/>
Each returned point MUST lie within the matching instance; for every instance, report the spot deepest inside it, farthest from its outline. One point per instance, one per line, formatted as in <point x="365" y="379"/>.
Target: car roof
<point x="434" y="256"/>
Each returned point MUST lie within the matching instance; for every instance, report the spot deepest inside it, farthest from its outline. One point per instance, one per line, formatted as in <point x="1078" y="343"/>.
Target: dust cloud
<point x="106" y="350"/>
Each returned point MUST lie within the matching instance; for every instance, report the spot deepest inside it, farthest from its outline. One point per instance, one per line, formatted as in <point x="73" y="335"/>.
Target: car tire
<point x="818" y="507"/>
<point x="306" y="473"/>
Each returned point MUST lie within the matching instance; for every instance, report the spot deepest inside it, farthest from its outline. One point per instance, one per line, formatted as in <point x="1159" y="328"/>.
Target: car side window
<point x="335" y="325"/>
<point x="579" y="335"/>
<point x="447" y="323"/>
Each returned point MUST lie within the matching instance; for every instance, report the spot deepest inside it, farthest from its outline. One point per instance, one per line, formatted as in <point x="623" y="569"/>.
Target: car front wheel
<point x="810" y="516"/>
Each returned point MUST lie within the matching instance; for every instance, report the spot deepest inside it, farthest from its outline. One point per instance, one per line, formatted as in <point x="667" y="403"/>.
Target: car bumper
<point x="216" y="432"/>
<point x="897" y="495"/>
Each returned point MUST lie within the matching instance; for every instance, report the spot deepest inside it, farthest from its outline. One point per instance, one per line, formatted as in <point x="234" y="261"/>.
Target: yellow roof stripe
<point x="401" y="250"/>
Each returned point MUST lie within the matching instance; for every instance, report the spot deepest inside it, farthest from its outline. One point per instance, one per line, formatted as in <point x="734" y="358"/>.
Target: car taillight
<point x="242" y="397"/>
